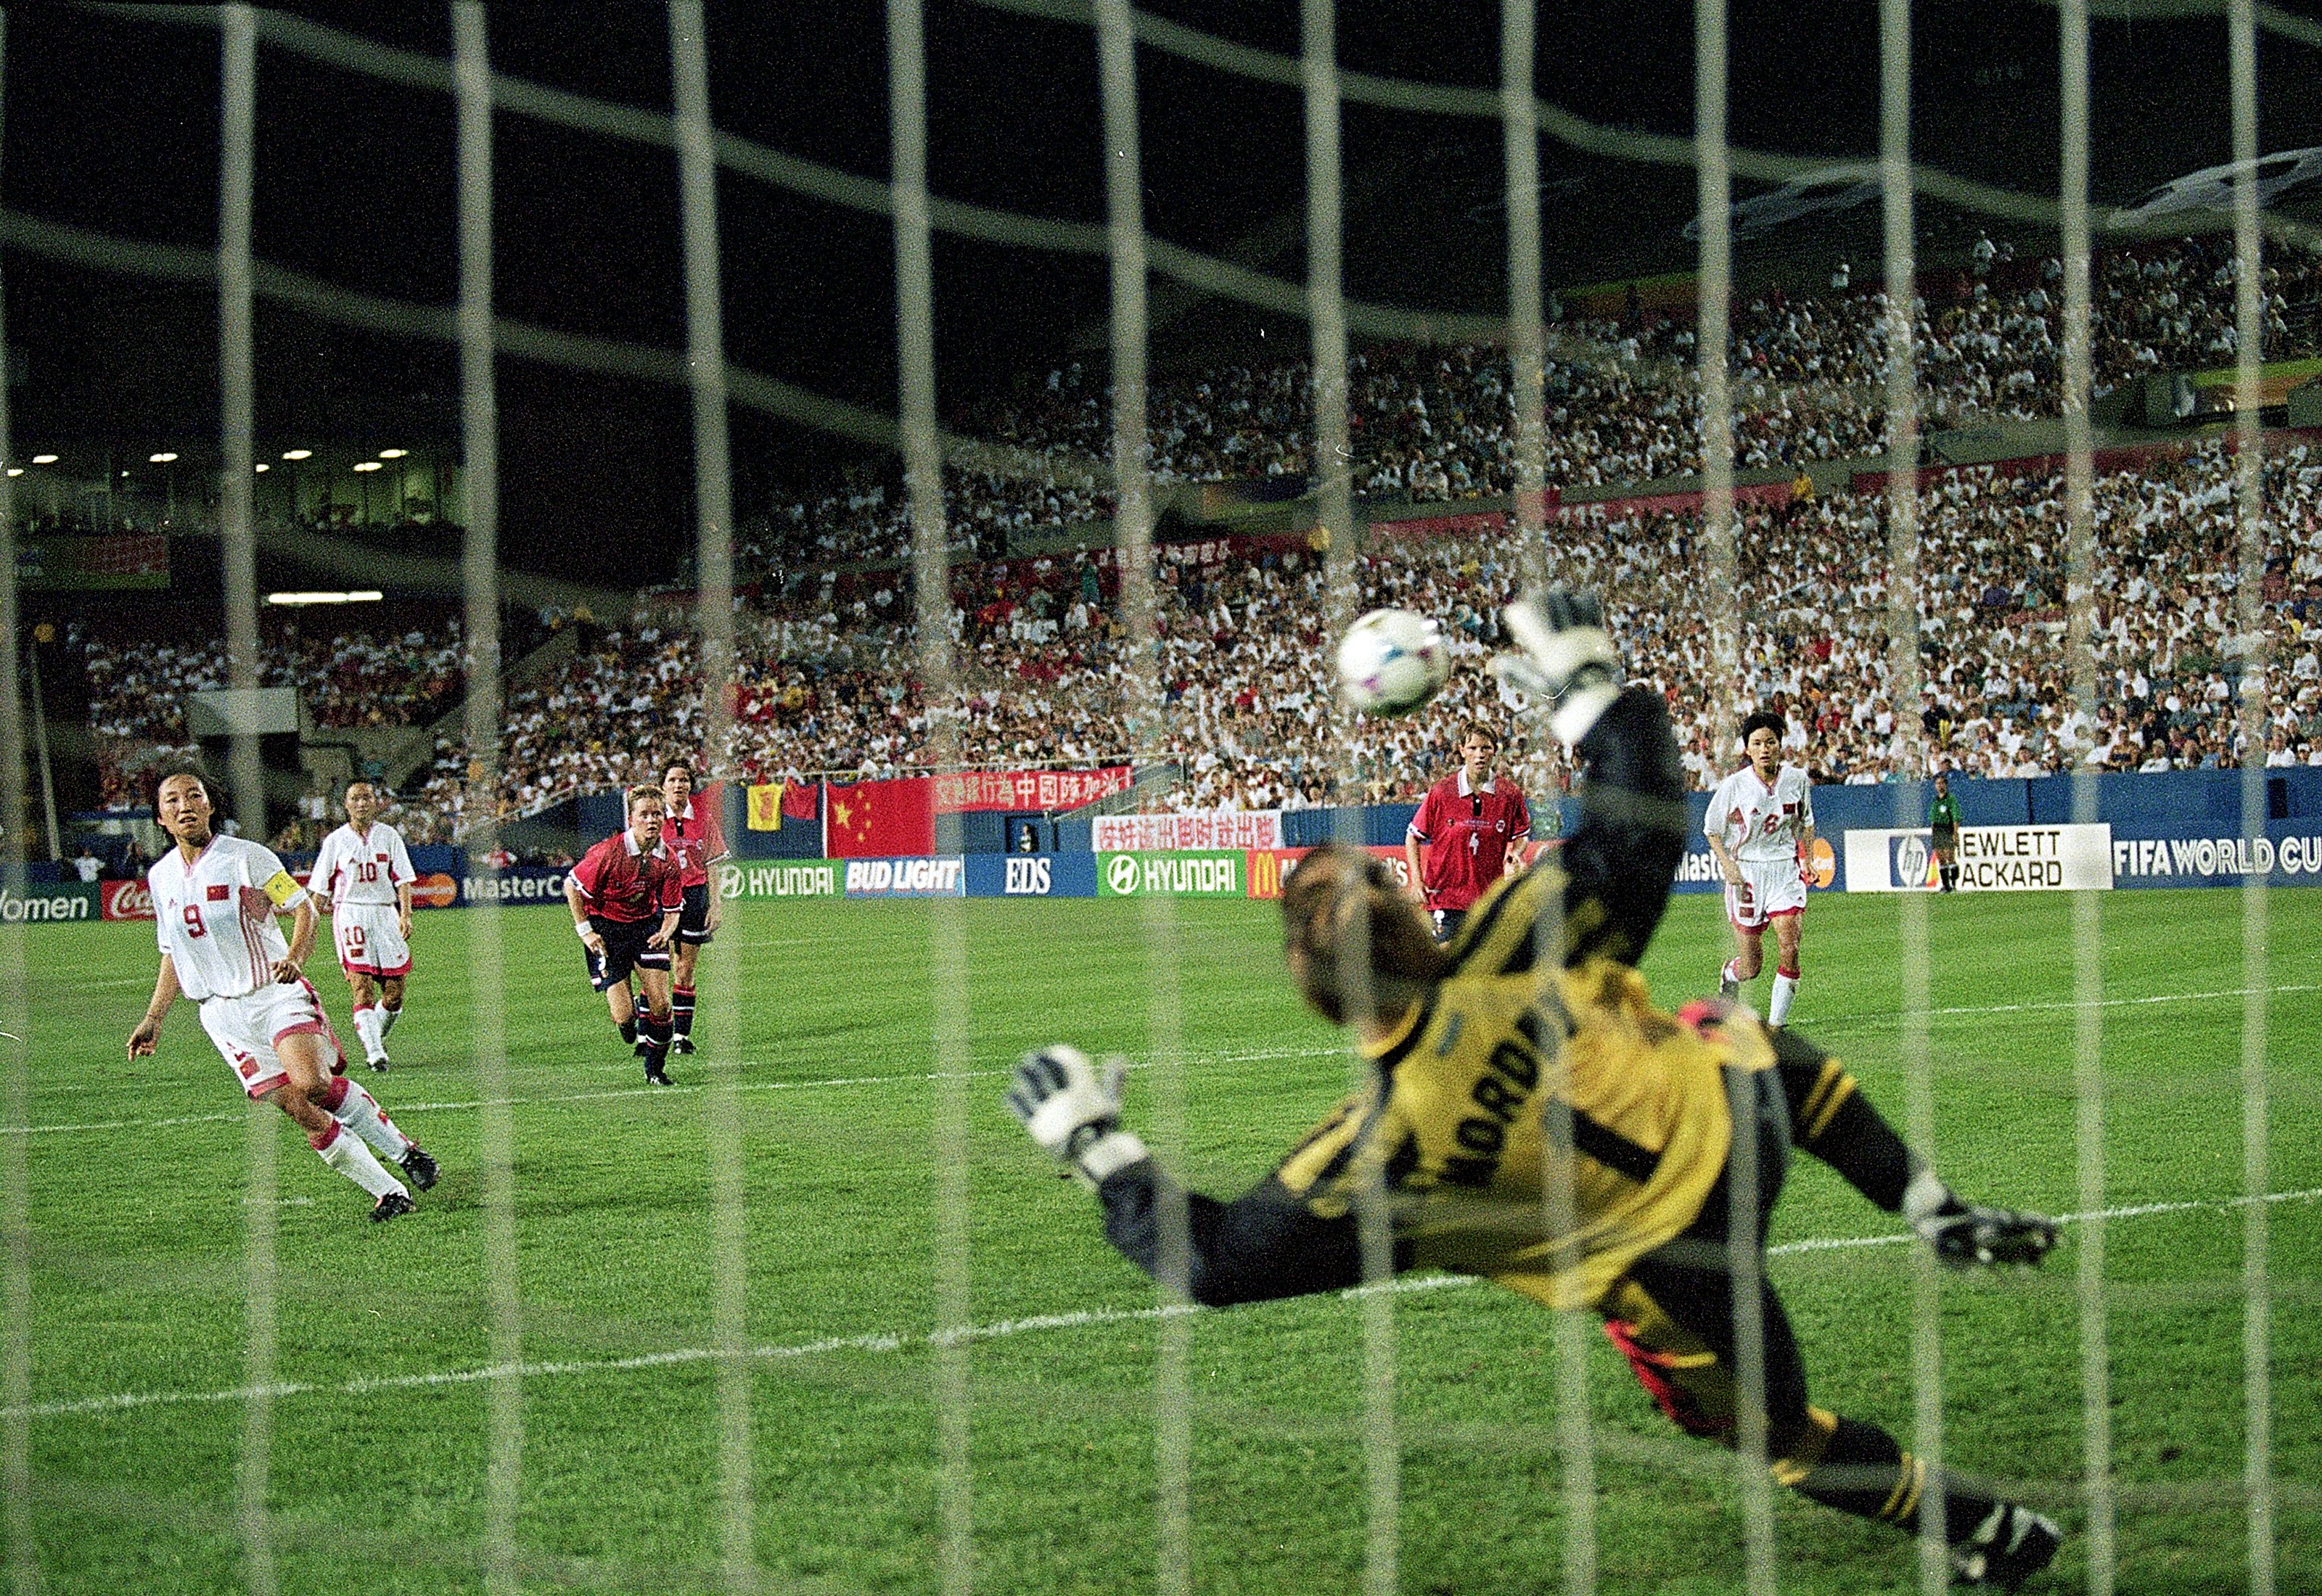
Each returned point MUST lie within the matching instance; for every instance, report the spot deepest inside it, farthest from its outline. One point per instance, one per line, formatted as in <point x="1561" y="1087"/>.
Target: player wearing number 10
<point x="362" y="881"/>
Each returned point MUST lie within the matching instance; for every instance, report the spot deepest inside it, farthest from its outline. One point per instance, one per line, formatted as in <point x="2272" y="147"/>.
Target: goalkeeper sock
<point x="1786" y="987"/>
<point x="1862" y="1470"/>
<point x="681" y="1010"/>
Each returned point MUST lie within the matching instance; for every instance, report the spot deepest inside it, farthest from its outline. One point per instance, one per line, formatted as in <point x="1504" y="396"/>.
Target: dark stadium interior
<point x="354" y="187"/>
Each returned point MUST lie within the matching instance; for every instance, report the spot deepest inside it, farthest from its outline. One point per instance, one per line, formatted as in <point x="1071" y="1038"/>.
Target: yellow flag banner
<point x="767" y="806"/>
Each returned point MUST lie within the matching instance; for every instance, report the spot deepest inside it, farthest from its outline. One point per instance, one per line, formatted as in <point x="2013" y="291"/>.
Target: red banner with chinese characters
<point x="1013" y="790"/>
<point x="882" y="820"/>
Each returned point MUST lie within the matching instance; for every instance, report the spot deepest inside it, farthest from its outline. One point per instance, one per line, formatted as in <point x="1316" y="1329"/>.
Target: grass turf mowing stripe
<point x="1834" y="1021"/>
<point x="897" y="1341"/>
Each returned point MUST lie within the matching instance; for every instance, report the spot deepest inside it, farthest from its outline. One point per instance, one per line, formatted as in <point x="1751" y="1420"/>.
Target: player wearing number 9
<point x="214" y="899"/>
<point x="1523" y="1072"/>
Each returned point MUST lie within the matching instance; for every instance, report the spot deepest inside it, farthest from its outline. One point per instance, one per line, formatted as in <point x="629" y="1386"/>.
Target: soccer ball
<point x="1391" y="661"/>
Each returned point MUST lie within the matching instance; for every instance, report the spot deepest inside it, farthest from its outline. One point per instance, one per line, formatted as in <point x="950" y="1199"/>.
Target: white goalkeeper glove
<point x="1073" y="1110"/>
<point x="1564" y="659"/>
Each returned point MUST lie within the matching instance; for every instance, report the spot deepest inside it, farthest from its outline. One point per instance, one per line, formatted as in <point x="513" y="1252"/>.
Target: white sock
<point x="349" y="1157"/>
<point x="1732" y="972"/>
<point x="386" y="1018"/>
<point x="1778" y="1006"/>
<point x="360" y="1112"/>
<point x="367" y="1027"/>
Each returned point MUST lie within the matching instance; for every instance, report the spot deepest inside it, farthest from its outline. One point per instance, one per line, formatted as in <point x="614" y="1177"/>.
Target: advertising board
<point x="1177" y="874"/>
<point x="1991" y="859"/>
<point x="944" y="876"/>
<point x="46" y="905"/>
<point x="802" y="878"/>
<point x="1031" y="875"/>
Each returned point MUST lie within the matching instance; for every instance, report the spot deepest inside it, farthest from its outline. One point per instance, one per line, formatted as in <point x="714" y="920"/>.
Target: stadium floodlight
<point x="359" y="596"/>
<point x="393" y="453"/>
<point x="163" y="459"/>
<point x="367" y="465"/>
<point x="44" y="460"/>
<point x="297" y="454"/>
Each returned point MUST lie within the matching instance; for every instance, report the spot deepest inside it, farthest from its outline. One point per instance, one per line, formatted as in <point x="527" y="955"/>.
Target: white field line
<point x="900" y="1341"/>
<point x="1258" y="1055"/>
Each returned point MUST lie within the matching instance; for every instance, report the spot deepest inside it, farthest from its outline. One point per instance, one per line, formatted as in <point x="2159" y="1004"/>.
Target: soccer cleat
<point x="1727" y="987"/>
<point x="379" y="1064"/>
<point x="2009" y="1548"/>
<point x="386" y="1207"/>
<point x="1965" y="1233"/>
<point x="680" y="1045"/>
<point x="657" y="1076"/>
<point x="420" y="1165"/>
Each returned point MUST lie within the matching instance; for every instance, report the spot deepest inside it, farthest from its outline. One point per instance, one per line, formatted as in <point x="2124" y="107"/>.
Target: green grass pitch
<point x="378" y="1461"/>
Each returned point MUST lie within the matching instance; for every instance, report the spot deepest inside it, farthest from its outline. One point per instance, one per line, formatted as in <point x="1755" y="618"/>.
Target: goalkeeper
<point x="1523" y="1072"/>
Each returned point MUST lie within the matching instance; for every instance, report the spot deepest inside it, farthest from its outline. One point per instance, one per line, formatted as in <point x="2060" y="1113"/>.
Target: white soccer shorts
<point x="367" y="939"/>
<point x="1772" y="887"/>
<point x="246" y="1029"/>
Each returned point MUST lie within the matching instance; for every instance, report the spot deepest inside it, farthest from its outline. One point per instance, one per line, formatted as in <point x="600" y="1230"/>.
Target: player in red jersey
<point x="625" y="896"/>
<point x="1474" y="825"/>
<point x="696" y="841"/>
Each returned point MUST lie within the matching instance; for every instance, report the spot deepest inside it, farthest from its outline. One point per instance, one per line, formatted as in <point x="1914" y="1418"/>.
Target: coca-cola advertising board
<point x="125" y="900"/>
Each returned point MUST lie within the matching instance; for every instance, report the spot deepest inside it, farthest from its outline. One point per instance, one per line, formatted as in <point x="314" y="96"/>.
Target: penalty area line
<point x="892" y="1341"/>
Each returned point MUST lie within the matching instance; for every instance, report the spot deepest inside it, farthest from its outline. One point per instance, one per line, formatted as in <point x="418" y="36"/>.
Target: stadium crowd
<point x="1432" y="422"/>
<point x="1238" y="691"/>
<point x="1240" y="694"/>
<point x="137" y="688"/>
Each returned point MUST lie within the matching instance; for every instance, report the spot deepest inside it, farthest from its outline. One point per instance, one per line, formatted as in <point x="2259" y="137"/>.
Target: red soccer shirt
<point x="622" y="885"/>
<point x="694" y="838"/>
<point x="1467" y="833"/>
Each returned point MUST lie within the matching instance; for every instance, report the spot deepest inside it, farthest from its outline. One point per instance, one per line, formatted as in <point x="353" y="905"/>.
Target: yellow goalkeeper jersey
<point x="1516" y="1070"/>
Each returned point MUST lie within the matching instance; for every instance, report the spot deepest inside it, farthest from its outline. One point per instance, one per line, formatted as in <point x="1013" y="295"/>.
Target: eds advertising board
<point x="1991" y="859"/>
<point x="1031" y="875"/>
<point x="1177" y="874"/>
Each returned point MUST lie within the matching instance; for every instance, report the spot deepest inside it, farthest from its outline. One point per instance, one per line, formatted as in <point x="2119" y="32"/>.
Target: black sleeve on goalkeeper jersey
<point x="1621" y="860"/>
<point x="1832" y="1119"/>
<point x="1262" y="1245"/>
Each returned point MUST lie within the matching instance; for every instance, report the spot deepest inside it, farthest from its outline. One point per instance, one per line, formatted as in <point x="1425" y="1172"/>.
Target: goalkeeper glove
<point x="1074" y="1110"/>
<point x="1563" y="657"/>
<point x="1965" y="1233"/>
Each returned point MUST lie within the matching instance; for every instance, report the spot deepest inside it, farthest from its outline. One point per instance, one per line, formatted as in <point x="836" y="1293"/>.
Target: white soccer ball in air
<point x="1391" y="661"/>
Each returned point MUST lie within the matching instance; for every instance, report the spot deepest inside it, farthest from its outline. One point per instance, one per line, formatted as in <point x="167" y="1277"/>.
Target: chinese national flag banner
<point x="766" y="806"/>
<point x="801" y="800"/>
<point x="883" y="819"/>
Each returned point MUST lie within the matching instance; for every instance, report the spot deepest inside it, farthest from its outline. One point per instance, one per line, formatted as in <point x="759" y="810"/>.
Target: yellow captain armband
<point x="281" y="887"/>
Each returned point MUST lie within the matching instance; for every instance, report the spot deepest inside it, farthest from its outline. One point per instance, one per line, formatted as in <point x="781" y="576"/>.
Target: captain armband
<point x="281" y="887"/>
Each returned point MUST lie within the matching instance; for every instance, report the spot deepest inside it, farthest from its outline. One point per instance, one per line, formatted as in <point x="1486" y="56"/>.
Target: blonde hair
<point x="642" y="793"/>
<point x="1346" y="926"/>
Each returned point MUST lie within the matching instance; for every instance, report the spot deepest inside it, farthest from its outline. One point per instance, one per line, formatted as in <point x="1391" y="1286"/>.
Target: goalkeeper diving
<point x="1530" y="1117"/>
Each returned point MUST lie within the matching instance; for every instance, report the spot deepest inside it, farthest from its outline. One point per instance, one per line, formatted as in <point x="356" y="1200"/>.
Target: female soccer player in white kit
<point x="214" y="899"/>
<point x="363" y="879"/>
<point x="1760" y="823"/>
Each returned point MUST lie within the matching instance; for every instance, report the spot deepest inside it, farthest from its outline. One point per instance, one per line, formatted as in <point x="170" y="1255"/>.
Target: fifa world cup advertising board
<point x="1177" y="874"/>
<point x="1991" y="859"/>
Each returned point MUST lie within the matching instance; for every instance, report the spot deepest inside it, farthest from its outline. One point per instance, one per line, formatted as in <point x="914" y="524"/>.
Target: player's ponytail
<point x="1358" y="947"/>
